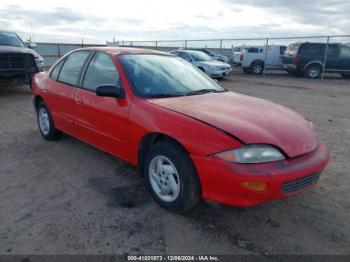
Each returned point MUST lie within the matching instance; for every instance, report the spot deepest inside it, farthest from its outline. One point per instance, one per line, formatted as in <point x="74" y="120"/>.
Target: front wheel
<point x="45" y="122"/>
<point x="171" y="177"/>
<point x="313" y="71"/>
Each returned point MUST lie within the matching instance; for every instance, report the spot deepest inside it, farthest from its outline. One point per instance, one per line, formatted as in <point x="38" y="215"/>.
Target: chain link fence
<point x="232" y="48"/>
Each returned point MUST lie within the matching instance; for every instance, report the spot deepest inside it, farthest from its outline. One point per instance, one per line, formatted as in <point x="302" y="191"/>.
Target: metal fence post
<point x="265" y="60"/>
<point x="58" y="50"/>
<point x="325" y="59"/>
<point x="220" y="46"/>
<point x="185" y="44"/>
<point x="156" y="45"/>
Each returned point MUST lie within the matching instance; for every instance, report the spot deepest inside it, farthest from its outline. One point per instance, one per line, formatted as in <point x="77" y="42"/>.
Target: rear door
<point x="344" y="58"/>
<point x="61" y="87"/>
<point x="102" y="121"/>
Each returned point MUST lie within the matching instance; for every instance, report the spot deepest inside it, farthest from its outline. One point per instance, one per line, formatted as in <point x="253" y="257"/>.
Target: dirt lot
<point x="67" y="197"/>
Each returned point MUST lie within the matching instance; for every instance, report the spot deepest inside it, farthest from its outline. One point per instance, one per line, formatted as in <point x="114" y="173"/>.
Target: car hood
<point x="6" y="49"/>
<point x="252" y="120"/>
<point x="213" y="63"/>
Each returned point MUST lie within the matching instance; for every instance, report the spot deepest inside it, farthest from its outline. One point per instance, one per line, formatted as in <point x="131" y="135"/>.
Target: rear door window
<point x="333" y="50"/>
<point x="311" y="50"/>
<point x="345" y="51"/>
<point x="253" y="50"/>
<point x="72" y="66"/>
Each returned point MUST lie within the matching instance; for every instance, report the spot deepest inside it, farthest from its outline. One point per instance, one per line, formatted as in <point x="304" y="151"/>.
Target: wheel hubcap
<point x="164" y="178"/>
<point x="44" y="121"/>
<point x="313" y="72"/>
<point x="257" y="69"/>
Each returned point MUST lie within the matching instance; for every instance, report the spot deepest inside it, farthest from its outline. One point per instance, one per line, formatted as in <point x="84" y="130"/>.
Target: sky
<point x="99" y="21"/>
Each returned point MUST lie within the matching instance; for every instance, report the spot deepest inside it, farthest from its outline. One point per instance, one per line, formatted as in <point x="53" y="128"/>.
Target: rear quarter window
<point x="253" y="50"/>
<point x="55" y="72"/>
<point x="311" y="50"/>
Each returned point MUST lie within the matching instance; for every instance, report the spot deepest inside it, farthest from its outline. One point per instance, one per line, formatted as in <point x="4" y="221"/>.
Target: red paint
<point x="203" y="124"/>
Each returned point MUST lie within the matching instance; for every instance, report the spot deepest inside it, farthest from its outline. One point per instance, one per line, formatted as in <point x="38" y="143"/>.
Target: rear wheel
<point x="246" y="70"/>
<point x="45" y="122"/>
<point x="171" y="177"/>
<point x="313" y="71"/>
<point x="257" y="68"/>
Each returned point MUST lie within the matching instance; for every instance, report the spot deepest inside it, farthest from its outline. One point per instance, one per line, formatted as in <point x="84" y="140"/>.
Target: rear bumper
<point x="222" y="181"/>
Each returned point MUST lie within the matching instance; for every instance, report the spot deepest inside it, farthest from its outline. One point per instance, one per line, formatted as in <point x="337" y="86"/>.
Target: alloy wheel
<point x="164" y="178"/>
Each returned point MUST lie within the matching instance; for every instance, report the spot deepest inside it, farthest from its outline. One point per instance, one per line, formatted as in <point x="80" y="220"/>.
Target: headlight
<point x="39" y="60"/>
<point x="252" y="154"/>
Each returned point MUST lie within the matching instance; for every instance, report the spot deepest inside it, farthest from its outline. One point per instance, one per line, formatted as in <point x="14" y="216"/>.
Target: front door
<point x="102" y="121"/>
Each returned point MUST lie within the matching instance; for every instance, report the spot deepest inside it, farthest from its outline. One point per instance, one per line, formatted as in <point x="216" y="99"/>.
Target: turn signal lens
<point x="256" y="186"/>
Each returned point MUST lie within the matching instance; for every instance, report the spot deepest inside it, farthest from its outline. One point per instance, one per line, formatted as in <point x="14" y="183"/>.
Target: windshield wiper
<point x="204" y="91"/>
<point x="163" y="95"/>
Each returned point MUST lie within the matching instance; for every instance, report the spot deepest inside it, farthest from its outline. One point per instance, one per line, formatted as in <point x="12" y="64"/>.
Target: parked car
<point x="190" y="138"/>
<point x="308" y="59"/>
<point x="18" y="63"/>
<point x="253" y="59"/>
<point x="213" y="55"/>
<point x="212" y="68"/>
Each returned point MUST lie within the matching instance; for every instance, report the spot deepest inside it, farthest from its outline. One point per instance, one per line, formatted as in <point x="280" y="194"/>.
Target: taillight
<point x="296" y="60"/>
<point x="241" y="57"/>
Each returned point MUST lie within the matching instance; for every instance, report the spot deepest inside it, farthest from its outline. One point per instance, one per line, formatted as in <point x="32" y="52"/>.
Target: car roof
<point x="124" y="50"/>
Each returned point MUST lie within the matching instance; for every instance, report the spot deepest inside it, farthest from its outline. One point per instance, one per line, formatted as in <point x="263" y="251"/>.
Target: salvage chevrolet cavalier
<point x="189" y="137"/>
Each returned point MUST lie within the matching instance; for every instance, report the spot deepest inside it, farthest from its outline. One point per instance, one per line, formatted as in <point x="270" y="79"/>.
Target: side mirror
<point x="110" y="91"/>
<point x="32" y="45"/>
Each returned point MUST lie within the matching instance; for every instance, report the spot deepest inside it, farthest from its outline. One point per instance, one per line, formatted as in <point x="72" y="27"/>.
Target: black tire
<point x="313" y="71"/>
<point x="51" y="133"/>
<point x="246" y="70"/>
<point x="190" y="191"/>
<point x="257" y="68"/>
<point x="346" y="76"/>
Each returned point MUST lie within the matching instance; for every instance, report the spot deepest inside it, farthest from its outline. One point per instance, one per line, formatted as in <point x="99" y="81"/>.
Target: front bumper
<point x="219" y="73"/>
<point x="289" y="67"/>
<point x="222" y="181"/>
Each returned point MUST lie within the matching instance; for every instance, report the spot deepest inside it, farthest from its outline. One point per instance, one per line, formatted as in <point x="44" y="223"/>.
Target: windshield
<point x="199" y="56"/>
<point x="159" y="75"/>
<point x="8" y="38"/>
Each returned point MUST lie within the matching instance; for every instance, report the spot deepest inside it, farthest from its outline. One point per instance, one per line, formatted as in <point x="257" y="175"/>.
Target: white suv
<point x="212" y="68"/>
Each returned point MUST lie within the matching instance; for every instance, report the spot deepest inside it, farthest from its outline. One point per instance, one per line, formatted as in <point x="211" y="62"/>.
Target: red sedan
<point x="191" y="138"/>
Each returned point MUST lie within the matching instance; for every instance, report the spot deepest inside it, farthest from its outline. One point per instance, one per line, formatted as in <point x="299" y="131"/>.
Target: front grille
<point x="300" y="183"/>
<point x="225" y="68"/>
<point x="16" y="61"/>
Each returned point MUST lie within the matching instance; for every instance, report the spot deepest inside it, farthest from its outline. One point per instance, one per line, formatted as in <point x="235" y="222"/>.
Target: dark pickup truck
<point x="18" y="63"/>
<point x="308" y="59"/>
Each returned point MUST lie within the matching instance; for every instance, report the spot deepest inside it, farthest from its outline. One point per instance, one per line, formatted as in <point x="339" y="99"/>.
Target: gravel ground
<point x="67" y="197"/>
